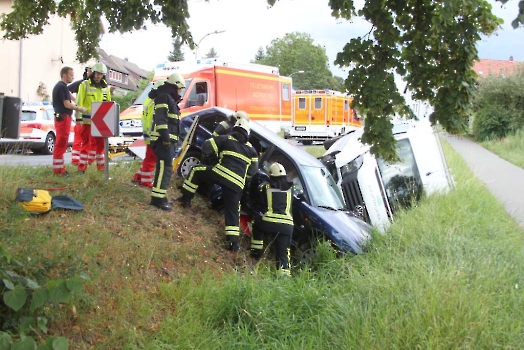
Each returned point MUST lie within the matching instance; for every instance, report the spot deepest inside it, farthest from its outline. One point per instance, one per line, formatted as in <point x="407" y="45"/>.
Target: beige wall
<point x="40" y="54"/>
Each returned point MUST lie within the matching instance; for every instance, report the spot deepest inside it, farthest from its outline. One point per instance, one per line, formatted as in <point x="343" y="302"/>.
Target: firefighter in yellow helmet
<point x="145" y="175"/>
<point x="94" y="89"/>
<point x="164" y="135"/>
<point x="237" y="160"/>
<point x="277" y="220"/>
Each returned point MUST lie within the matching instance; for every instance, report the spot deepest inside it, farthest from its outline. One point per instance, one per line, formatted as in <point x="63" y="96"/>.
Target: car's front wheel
<point x="49" y="145"/>
<point x="190" y="159"/>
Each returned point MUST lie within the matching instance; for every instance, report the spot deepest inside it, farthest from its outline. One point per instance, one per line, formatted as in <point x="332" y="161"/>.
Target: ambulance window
<point x="346" y="105"/>
<point x="301" y="103"/>
<point x="198" y="95"/>
<point x="285" y="91"/>
<point x="318" y="102"/>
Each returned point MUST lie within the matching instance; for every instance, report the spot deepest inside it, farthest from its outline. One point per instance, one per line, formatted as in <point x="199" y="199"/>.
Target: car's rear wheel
<point x="49" y="145"/>
<point x="190" y="159"/>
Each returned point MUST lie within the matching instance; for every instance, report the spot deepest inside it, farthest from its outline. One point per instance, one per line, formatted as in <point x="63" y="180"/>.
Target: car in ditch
<point x="374" y="188"/>
<point x="318" y="206"/>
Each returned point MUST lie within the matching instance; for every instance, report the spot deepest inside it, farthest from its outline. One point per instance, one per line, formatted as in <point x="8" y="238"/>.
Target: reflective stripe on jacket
<point x="278" y="206"/>
<point x="166" y="119"/>
<point x="87" y="94"/>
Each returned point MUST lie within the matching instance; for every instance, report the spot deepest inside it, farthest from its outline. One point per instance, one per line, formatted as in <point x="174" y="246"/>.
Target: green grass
<point x="315" y="151"/>
<point x="448" y="274"/>
<point x="510" y="148"/>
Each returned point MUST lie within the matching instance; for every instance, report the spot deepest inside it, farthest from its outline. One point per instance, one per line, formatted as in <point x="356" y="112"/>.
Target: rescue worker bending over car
<point x="164" y="135"/>
<point x="237" y="159"/>
<point x="277" y="220"/>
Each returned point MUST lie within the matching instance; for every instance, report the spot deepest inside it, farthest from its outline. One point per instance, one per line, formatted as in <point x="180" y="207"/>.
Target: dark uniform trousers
<point x="163" y="171"/>
<point x="280" y="234"/>
<point x="204" y="174"/>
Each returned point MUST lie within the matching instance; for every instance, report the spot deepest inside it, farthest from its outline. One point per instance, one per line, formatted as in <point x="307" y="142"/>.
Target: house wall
<point x="36" y="59"/>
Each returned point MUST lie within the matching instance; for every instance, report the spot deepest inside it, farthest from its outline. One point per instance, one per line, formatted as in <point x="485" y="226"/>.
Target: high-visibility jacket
<point x="166" y="119"/>
<point x="147" y="119"/>
<point x="237" y="160"/>
<point x="88" y="93"/>
<point x="278" y="205"/>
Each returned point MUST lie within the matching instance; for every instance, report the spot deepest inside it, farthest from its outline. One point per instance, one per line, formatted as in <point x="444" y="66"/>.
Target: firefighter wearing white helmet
<point x="164" y="134"/>
<point x="146" y="174"/>
<point x="94" y="89"/>
<point x="274" y="198"/>
<point x="238" y="161"/>
<point x="226" y="127"/>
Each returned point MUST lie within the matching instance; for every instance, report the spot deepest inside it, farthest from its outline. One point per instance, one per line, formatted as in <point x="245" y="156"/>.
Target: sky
<point x="251" y="24"/>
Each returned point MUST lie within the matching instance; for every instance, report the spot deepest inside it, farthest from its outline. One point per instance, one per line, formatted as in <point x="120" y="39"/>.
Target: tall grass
<point x="448" y="274"/>
<point x="510" y="148"/>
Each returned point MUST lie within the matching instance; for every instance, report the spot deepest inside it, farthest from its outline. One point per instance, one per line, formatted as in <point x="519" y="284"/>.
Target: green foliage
<point x="499" y="105"/>
<point x="261" y="54"/>
<point x="23" y="301"/>
<point x="177" y="54"/>
<point x="211" y="53"/>
<point x="127" y="100"/>
<point x="510" y="148"/>
<point x="289" y="53"/>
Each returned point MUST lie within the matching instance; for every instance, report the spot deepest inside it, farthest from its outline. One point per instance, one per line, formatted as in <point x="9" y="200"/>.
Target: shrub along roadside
<point x="448" y="274"/>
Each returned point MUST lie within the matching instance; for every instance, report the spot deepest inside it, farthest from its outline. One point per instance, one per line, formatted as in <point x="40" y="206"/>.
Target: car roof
<point x="32" y="108"/>
<point x="213" y="110"/>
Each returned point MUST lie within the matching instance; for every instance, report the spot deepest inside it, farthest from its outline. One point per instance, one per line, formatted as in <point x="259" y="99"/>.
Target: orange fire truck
<point x="321" y="114"/>
<point x="256" y="89"/>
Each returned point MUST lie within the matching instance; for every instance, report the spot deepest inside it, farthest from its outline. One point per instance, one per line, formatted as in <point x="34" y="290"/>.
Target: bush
<point x="499" y="106"/>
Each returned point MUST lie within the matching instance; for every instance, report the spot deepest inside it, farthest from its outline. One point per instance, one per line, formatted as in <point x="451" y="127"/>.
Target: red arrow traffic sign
<point x="104" y="119"/>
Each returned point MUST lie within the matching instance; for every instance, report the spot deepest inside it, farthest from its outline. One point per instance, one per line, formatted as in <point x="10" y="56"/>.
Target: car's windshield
<point x="28" y="116"/>
<point x="140" y="100"/>
<point x="322" y="189"/>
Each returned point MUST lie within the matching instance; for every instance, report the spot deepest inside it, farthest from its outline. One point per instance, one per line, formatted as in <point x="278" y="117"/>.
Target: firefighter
<point x="226" y="127"/>
<point x="238" y="160"/>
<point x="277" y="221"/>
<point x="77" y="142"/>
<point x="145" y="175"/>
<point x="164" y="135"/>
<point x="94" y="89"/>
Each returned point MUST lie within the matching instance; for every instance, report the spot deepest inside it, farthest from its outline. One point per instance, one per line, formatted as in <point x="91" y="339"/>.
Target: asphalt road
<point x="503" y="179"/>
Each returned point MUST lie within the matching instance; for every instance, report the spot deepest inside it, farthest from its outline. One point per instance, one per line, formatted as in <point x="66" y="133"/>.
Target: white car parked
<point x="37" y="129"/>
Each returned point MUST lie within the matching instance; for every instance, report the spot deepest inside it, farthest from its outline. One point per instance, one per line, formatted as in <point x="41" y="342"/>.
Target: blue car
<point x="319" y="211"/>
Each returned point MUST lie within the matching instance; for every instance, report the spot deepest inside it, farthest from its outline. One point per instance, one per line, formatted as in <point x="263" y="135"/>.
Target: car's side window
<point x="210" y="122"/>
<point x="49" y="114"/>
<point x="258" y="144"/>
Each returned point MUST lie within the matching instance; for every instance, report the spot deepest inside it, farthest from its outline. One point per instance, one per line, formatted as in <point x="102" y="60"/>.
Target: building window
<point x="115" y="76"/>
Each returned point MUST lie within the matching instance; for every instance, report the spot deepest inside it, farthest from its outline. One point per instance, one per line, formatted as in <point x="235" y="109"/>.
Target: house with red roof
<point x="486" y="67"/>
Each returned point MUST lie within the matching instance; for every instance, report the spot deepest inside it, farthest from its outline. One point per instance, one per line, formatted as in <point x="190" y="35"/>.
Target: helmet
<point x="244" y="124"/>
<point x="158" y="83"/>
<point x="176" y="79"/>
<point x="241" y="115"/>
<point x="277" y="169"/>
<point x="99" y="67"/>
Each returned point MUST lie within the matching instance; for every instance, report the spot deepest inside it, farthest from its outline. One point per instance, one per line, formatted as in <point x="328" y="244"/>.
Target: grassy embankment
<point x="448" y="274"/>
<point x="510" y="148"/>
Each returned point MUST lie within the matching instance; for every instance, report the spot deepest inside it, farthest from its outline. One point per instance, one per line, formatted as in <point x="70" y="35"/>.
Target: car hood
<point x="347" y="232"/>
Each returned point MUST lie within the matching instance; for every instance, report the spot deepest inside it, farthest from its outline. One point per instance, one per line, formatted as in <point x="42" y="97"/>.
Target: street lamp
<point x="198" y="45"/>
<point x="297" y="72"/>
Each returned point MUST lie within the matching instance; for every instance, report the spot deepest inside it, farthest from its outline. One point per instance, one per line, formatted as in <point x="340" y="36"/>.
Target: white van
<point x="373" y="188"/>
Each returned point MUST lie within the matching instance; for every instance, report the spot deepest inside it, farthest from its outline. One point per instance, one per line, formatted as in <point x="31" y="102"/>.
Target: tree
<point x="126" y="100"/>
<point x="260" y="55"/>
<point x="430" y="43"/>
<point x="288" y="55"/>
<point x="177" y="54"/>
<point x="211" y="53"/>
